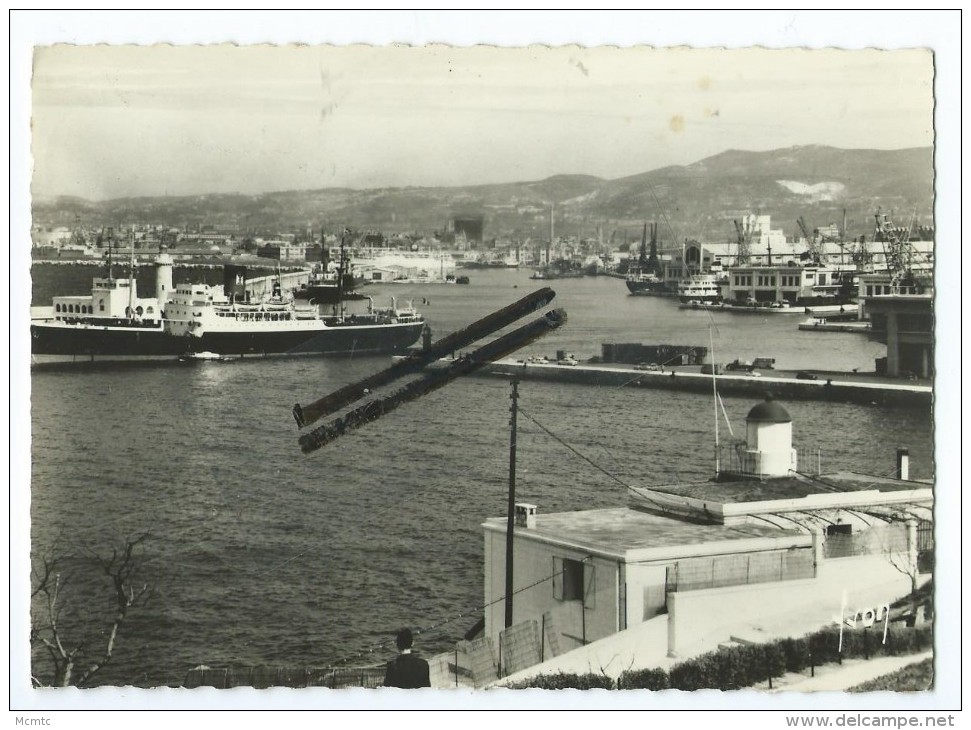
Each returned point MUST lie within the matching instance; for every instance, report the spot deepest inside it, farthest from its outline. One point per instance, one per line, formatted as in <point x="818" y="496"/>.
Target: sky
<point x="117" y="121"/>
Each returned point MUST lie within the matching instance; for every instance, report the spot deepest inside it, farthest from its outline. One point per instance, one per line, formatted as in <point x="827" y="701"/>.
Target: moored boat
<point x="645" y="284"/>
<point x="209" y="318"/>
<point x="702" y="289"/>
<point x="331" y="282"/>
<point x="113" y="324"/>
<point x="205" y="356"/>
<point x="644" y="276"/>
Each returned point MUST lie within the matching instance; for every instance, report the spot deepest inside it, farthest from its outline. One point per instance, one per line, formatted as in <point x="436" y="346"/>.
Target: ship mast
<point x="131" y="276"/>
<point x="110" y="235"/>
<point x="340" y="278"/>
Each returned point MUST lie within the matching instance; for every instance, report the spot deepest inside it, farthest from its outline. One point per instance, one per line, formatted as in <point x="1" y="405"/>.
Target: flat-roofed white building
<point x="694" y="564"/>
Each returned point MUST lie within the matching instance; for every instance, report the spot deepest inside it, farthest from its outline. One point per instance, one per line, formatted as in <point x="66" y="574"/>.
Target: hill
<point x="689" y="201"/>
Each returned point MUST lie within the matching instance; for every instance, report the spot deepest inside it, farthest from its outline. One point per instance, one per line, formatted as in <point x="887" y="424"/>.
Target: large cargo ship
<point x="220" y="319"/>
<point x="114" y="324"/>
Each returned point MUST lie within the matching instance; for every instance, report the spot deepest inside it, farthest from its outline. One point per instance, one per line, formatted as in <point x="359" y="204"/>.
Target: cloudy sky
<point x="112" y="121"/>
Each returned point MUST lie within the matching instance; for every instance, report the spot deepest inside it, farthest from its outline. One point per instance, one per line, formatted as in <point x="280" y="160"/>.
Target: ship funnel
<point x="163" y="277"/>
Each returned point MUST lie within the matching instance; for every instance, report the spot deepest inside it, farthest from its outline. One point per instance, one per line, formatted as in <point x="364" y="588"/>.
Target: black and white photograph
<point x="371" y="353"/>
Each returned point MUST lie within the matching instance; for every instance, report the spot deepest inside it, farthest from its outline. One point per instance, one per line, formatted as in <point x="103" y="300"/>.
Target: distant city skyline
<point x="120" y="121"/>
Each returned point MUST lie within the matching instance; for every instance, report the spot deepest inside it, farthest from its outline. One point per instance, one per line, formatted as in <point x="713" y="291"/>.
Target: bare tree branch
<point x="120" y="568"/>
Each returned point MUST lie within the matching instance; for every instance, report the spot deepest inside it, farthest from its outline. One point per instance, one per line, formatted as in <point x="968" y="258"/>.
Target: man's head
<point x="404" y="639"/>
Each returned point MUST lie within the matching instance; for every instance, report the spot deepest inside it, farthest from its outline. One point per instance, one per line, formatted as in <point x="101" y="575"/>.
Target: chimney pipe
<point x="903" y="463"/>
<point x="526" y="515"/>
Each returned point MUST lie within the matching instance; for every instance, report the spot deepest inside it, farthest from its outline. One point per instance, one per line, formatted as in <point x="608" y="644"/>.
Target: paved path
<point x="838" y="678"/>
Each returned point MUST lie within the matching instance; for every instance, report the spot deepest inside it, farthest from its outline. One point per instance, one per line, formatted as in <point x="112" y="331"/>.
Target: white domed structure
<point x="768" y="448"/>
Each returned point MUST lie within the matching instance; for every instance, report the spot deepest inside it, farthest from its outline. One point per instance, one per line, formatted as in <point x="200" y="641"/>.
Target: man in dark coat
<point x="406" y="670"/>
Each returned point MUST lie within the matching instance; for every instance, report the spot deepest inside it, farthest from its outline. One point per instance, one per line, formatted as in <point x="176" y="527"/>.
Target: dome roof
<point x="769" y="411"/>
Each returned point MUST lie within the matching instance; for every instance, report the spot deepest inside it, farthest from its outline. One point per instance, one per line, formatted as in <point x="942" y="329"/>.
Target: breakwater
<point x="836" y="387"/>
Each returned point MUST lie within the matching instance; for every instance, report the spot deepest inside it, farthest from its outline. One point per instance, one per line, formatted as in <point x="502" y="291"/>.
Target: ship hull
<point x="94" y="342"/>
<point x="53" y="343"/>
<point x="648" y="288"/>
<point x="340" y="340"/>
<point x="326" y="294"/>
<point x="700" y="298"/>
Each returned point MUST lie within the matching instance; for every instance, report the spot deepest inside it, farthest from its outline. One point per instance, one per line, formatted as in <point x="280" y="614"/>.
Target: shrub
<point x="753" y="665"/>
<point x="562" y="680"/>
<point x="909" y="640"/>
<point x="824" y="646"/>
<point x="653" y="679"/>
<point x="914" y="678"/>
<point x="796" y="652"/>
<point x="691" y="675"/>
<point x="775" y="659"/>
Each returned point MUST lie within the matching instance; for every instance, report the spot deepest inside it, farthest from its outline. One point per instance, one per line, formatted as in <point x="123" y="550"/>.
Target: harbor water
<point x="260" y="555"/>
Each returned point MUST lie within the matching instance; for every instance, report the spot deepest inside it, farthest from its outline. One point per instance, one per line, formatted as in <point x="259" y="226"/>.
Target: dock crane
<point x="744" y="255"/>
<point x="905" y="264"/>
<point x="813" y="243"/>
<point x="842" y="240"/>
<point x="862" y="256"/>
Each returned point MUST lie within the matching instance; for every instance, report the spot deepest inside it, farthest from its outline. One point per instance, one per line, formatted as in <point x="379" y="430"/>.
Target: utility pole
<point x="511" y="513"/>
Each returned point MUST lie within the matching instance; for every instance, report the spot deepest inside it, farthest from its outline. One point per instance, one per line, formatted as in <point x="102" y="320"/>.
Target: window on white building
<point x="574" y="580"/>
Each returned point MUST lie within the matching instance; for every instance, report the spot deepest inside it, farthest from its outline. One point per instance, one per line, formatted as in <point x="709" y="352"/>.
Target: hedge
<point x="749" y="664"/>
<point x="746" y="665"/>
<point x="562" y="680"/>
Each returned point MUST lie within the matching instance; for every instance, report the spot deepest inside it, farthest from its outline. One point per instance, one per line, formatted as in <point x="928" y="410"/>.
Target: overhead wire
<point x="586" y="459"/>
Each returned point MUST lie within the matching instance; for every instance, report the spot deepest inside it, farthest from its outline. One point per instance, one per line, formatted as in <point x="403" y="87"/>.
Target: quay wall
<point x="781" y="387"/>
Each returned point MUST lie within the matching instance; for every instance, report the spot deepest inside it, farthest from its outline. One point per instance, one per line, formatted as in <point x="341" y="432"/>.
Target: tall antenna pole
<point x="714" y="393"/>
<point x="511" y="512"/>
<point x="110" y="235"/>
<point x="843" y="239"/>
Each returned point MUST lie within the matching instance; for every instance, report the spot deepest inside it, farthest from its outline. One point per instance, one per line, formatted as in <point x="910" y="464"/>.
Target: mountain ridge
<point x="697" y="199"/>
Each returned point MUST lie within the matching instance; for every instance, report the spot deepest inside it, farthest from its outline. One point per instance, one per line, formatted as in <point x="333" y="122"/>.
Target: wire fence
<point x="733" y="570"/>
<point x="889" y="539"/>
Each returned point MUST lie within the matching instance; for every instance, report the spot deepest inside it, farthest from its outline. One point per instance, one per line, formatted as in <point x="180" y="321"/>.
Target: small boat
<point x="644" y="278"/>
<point x="701" y="289"/>
<point x="556" y="273"/>
<point x="328" y="285"/>
<point x="644" y="283"/>
<point x="204" y="356"/>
